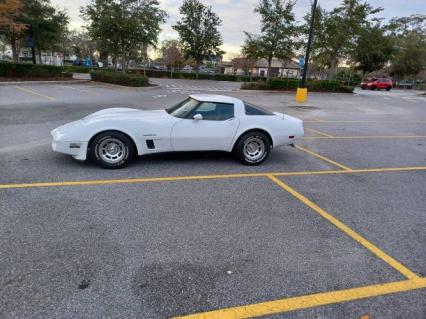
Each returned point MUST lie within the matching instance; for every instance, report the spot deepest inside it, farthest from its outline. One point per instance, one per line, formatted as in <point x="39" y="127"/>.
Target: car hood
<point x="125" y="113"/>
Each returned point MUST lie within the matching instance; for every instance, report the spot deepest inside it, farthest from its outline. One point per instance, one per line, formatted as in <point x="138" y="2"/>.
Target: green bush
<point x="120" y="78"/>
<point x="21" y="70"/>
<point x="193" y="76"/>
<point x="258" y="85"/>
<point x="293" y="84"/>
<point x="348" y="77"/>
<point x="77" y="69"/>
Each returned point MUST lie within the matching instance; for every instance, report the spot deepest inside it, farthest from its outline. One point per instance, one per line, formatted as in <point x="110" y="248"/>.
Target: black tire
<point x="388" y="88"/>
<point x="372" y="88"/>
<point x="259" y="154"/>
<point x="363" y="87"/>
<point x="121" y="149"/>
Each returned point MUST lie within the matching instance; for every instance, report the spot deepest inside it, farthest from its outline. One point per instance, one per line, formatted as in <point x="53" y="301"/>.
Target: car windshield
<point x="182" y="109"/>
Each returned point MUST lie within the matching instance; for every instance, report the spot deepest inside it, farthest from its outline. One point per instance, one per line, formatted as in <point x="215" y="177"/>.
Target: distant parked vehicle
<point x="187" y="69"/>
<point x="377" y="84"/>
<point x="404" y="84"/>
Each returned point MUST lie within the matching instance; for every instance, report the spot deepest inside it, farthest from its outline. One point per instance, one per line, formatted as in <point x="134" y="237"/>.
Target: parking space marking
<point x="34" y="93"/>
<point x="348" y="231"/>
<point x="326" y="159"/>
<point x="318" y="132"/>
<point x="362" y="137"/>
<point x="80" y="90"/>
<point x="363" y="122"/>
<point x="309" y="301"/>
<point x="205" y="177"/>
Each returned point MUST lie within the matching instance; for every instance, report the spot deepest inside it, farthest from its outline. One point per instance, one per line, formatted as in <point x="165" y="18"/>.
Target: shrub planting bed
<point x="31" y="71"/>
<point x="120" y="78"/>
<point x="292" y="84"/>
<point x="193" y="76"/>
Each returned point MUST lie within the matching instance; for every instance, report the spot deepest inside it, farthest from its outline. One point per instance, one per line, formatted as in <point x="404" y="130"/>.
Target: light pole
<point x="302" y="91"/>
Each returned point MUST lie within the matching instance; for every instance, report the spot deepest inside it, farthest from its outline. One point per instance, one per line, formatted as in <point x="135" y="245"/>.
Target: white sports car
<point x="112" y="137"/>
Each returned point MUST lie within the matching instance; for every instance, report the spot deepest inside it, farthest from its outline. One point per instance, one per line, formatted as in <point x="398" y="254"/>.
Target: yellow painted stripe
<point x="204" y="177"/>
<point x="362" y="122"/>
<point x="318" y="132"/>
<point x="348" y="231"/>
<point x="363" y="137"/>
<point x="362" y="170"/>
<point x="323" y="158"/>
<point x="129" y="180"/>
<point x="34" y="92"/>
<point x="80" y="90"/>
<point x="309" y="301"/>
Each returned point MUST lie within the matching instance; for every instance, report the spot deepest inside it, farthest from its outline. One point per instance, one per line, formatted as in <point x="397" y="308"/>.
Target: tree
<point x="122" y="27"/>
<point x="408" y="35"/>
<point x="277" y="37"/>
<point x="44" y="26"/>
<point x="171" y="54"/>
<point x="373" y="49"/>
<point x="198" y="31"/>
<point x="10" y="26"/>
<point x="80" y="44"/>
<point x="338" y="31"/>
<point x="411" y="55"/>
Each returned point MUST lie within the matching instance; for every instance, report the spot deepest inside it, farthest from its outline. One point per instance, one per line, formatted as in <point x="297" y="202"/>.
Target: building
<point x="279" y="68"/>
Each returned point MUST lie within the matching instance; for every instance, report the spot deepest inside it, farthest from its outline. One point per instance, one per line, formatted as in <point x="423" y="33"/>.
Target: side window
<point x="215" y="111"/>
<point x="251" y="109"/>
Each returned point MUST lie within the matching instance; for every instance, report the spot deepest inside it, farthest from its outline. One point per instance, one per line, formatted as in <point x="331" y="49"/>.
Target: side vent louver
<point x="150" y="144"/>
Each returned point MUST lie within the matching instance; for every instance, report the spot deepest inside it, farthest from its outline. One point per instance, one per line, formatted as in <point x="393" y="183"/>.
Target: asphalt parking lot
<point x="333" y="228"/>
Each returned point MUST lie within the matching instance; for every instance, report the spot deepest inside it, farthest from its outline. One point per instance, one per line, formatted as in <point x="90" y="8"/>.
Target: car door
<point x="214" y="130"/>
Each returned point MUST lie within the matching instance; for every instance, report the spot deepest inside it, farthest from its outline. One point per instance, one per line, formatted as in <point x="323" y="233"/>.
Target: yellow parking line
<point x="362" y="122"/>
<point x="363" y="137"/>
<point x="348" y="231"/>
<point x="318" y="132"/>
<point x="309" y="301"/>
<point x="129" y="180"/>
<point x="34" y="92"/>
<point x="84" y="91"/>
<point x="323" y="158"/>
<point x="205" y="177"/>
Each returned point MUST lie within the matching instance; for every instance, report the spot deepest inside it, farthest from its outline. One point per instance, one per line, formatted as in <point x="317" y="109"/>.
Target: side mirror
<point x="197" y="117"/>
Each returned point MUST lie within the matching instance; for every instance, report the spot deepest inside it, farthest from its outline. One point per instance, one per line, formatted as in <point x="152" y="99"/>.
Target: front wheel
<point x="388" y="88"/>
<point x="253" y="148"/>
<point x="112" y="149"/>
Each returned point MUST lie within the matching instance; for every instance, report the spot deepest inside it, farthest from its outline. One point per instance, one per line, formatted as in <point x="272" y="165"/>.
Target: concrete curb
<point x="44" y="82"/>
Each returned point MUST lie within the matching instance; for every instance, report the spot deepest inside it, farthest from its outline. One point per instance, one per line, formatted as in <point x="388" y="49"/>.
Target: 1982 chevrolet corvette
<point x="112" y="137"/>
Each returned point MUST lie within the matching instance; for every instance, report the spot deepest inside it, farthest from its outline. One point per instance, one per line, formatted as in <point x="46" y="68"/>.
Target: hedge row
<point x="193" y="76"/>
<point x="77" y="69"/>
<point x="293" y="84"/>
<point x="8" y="69"/>
<point x="120" y="78"/>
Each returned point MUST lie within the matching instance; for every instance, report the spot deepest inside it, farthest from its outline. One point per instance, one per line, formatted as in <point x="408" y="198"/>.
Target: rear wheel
<point x="112" y="149"/>
<point x="388" y="88"/>
<point x="253" y="148"/>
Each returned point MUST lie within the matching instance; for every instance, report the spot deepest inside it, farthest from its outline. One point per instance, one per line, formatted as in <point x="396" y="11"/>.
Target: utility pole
<point x="302" y="91"/>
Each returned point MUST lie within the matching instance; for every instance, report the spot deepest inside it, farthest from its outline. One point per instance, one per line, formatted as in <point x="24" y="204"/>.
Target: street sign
<point x="302" y="61"/>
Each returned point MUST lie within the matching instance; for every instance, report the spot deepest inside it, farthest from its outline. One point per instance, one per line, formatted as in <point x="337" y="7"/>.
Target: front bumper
<point x="78" y="150"/>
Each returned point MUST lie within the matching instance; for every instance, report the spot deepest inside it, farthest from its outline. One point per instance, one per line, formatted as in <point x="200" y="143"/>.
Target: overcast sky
<point x="238" y="16"/>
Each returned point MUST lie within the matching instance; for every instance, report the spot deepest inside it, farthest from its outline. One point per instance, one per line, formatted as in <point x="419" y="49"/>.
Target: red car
<point x="377" y="84"/>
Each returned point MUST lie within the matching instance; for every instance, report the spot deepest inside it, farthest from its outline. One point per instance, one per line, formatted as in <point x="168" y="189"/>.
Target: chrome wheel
<point x="254" y="148"/>
<point x="112" y="150"/>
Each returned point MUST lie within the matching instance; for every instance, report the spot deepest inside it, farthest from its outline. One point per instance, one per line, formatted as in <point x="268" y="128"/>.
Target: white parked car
<point x="112" y="137"/>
